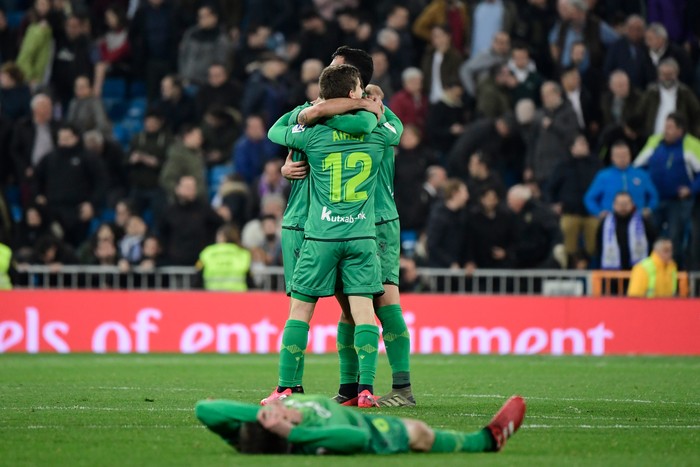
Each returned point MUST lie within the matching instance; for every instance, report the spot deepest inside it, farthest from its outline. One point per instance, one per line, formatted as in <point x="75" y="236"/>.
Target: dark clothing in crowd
<point x="447" y="236"/>
<point x="489" y="232"/>
<point x="622" y="236"/>
<point x="186" y="228"/>
<point x="537" y="232"/>
<point x="569" y="182"/>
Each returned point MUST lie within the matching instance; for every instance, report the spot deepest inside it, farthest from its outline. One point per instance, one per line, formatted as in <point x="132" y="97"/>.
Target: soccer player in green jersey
<point x="304" y="424"/>
<point x="339" y="233"/>
<point x="387" y="306"/>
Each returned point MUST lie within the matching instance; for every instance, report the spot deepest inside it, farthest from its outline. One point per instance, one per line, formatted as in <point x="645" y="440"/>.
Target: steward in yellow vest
<point x="5" y="263"/>
<point x="657" y="275"/>
<point x="225" y="264"/>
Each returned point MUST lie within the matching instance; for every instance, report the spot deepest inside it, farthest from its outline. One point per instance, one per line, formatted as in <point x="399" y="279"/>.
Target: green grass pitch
<point x="104" y="410"/>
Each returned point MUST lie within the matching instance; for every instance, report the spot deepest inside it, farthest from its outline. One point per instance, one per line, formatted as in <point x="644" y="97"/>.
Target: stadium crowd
<point x="538" y="133"/>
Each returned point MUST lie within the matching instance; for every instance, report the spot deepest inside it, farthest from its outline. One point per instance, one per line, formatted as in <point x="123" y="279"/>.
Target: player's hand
<point x="498" y="253"/>
<point x="374" y="105"/>
<point x="294" y="170"/>
<point x="373" y="90"/>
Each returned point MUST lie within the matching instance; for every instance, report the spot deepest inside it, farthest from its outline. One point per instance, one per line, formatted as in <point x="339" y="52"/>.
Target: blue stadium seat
<point x="121" y="135"/>
<point x="114" y="88"/>
<point x="216" y="176"/>
<point x="137" y="108"/>
<point x="14" y="19"/>
<point x="137" y="89"/>
<point x="116" y="108"/>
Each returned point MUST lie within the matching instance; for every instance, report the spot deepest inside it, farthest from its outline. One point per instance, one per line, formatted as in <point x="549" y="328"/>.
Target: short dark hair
<point x="679" y="119"/>
<point x="358" y="58"/>
<point x="451" y="186"/>
<point x="619" y="143"/>
<point x="254" y="439"/>
<point x="338" y="81"/>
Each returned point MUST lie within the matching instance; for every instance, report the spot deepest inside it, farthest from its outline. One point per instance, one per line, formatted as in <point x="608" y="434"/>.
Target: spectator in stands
<point x="398" y="18"/>
<point x="525" y="73"/>
<point x="188" y="224"/>
<point x="629" y="53"/>
<point x="152" y="37"/>
<point x="220" y="131"/>
<point x="86" y="112"/>
<point x="493" y="94"/>
<point x="146" y="156"/>
<point x="71" y="59"/>
<point x="131" y="244"/>
<point x="490" y="18"/>
<point x="538" y="238"/>
<point x="477" y="67"/>
<point x="202" y="45"/>
<point x="252" y="150"/>
<point x="410" y="104"/>
<point x="492" y="233"/>
<point x="270" y="251"/>
<point x="53" y="252"/>
<point x="618" y="103"/>
<point x="34" y="57"/>
<point x="624" y="237"/>
<point x="249" y="54"/>
<point x="668" y="95"/>
<point x="253" y="234"/>
<point x="175" y="104"/>
<point x="71" y="182"/>
<point x="185" y="158"/>
<point x="554" y="129"/>
<point x="446" y="229"/>
<point x="356" y="32"/>
<point x="219" y="90"/>
<point x="582" y="102"/>
<point x="152" y="253"/>
<point x="233" y="201"/>
<point x="446" y="119"/>
<point x="14" y="93"/>
<point x="123" y="211"/>
<point x="592" y="77"/>
<point x="657" y="275"/>
<point x="389" y="42"/>
<point x="101" y="248"/>
<point x="567" y="187"/>
<point x="32" y="139"/>
<point x="620" y="176"/>
<point x="114" y="48"/>
<point x="318" y="39"/>
<point x="35" y="223"/>
<point x="270" y="182"/>
<point x="381" y="76"/>
<point x="480" y="177"/>
<point x="535" y="20"/>
<point x="310" y="72"/>
<point x="225" y="265"/>
<point x="661" y="48"/>
<point x="454" y="13"/>
<point x="112" y="157"/>
<point x="8" y="39"/>
<point x="577" y="24"/>
<point x="440" y="64"/>
<point x="413" y="194"/>
<point x="265" y="91"/>
<point x="673" y="162"/>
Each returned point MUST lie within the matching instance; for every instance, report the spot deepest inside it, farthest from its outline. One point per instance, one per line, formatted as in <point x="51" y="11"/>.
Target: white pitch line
<point x="612" y="427"/>
<point x="103" y="409"/>
<point x="561" y="399"/>
<point x="63" y="427"/>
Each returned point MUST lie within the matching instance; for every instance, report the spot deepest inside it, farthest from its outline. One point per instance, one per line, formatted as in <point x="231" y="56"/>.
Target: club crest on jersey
<point x="298" y="128"/>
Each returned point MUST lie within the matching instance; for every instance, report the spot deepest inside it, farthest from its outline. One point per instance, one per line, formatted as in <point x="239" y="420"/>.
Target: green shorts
<point x="389" y="249"/>
<point x="321" y="263"/>
<point x="389" y="435"/>
<point x="292" y="239"/>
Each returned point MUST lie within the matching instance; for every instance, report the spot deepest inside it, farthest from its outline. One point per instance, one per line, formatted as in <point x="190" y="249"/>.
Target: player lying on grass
<point x="304" y="424"/>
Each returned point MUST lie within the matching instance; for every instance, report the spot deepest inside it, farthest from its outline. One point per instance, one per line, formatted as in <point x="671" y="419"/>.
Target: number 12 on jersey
<point x="347" y="193"/>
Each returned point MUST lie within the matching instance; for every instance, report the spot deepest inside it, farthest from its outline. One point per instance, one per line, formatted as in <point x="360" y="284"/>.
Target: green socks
<point x="454" y="441"/>
<point x="398" y="344"/>
<point x="366" y="345"/>
<point x="347" y="355"/>
<point x="294" y="340"/>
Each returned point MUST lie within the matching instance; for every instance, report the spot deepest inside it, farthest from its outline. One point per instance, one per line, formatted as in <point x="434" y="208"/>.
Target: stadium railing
<point x="271" y="278"/>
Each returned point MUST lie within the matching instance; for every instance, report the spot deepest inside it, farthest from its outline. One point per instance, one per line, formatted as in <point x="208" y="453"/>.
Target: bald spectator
<point x="477" y="67"/>
<point x="629" y="53"/>
<point x="666" y="96"/>
<point x="410" y="104"/>
<point x="659" y="49"/>
<point x="554" y="130"/>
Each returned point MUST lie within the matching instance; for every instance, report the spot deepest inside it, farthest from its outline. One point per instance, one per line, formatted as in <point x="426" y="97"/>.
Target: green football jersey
<point x="384" y="204"/>
<point x="343" y="177"/>
<point x="298" y="203"/>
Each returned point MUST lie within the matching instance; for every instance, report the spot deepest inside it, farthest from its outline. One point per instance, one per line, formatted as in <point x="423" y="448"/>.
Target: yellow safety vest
<point x="5" y="258"/>
<point x="226" y="267"/>
<point x="650" y="267"/>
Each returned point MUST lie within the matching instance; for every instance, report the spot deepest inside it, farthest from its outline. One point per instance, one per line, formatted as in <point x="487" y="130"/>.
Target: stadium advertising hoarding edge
<point x="197" y="322"/>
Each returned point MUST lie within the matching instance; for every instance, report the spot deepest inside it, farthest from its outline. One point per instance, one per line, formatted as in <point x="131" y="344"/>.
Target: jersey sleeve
<point x="344" y="439"/>
<point x="277" y="131"/>
<point x="394" y="122"/>
<point x="225" y="417"/>
<point x="362" y="122"/>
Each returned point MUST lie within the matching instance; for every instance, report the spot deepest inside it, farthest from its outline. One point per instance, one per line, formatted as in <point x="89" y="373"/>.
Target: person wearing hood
<point x="71" y="183"/>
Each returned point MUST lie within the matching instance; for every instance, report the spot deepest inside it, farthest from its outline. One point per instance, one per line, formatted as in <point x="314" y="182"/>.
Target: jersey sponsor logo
<point x="298" y="128"/>
<point x="390" y="127"/>
<point x="327" y="215"/>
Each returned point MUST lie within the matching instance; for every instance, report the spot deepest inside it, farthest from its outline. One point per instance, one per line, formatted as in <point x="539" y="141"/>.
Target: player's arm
<point x="394" y="121"/>
<point x="332" y="107"/>
<point x="344" y="439"/>
<point x="225" y="417"/>
<point x="354" y="124"/>
<point x="278" y="130"/>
